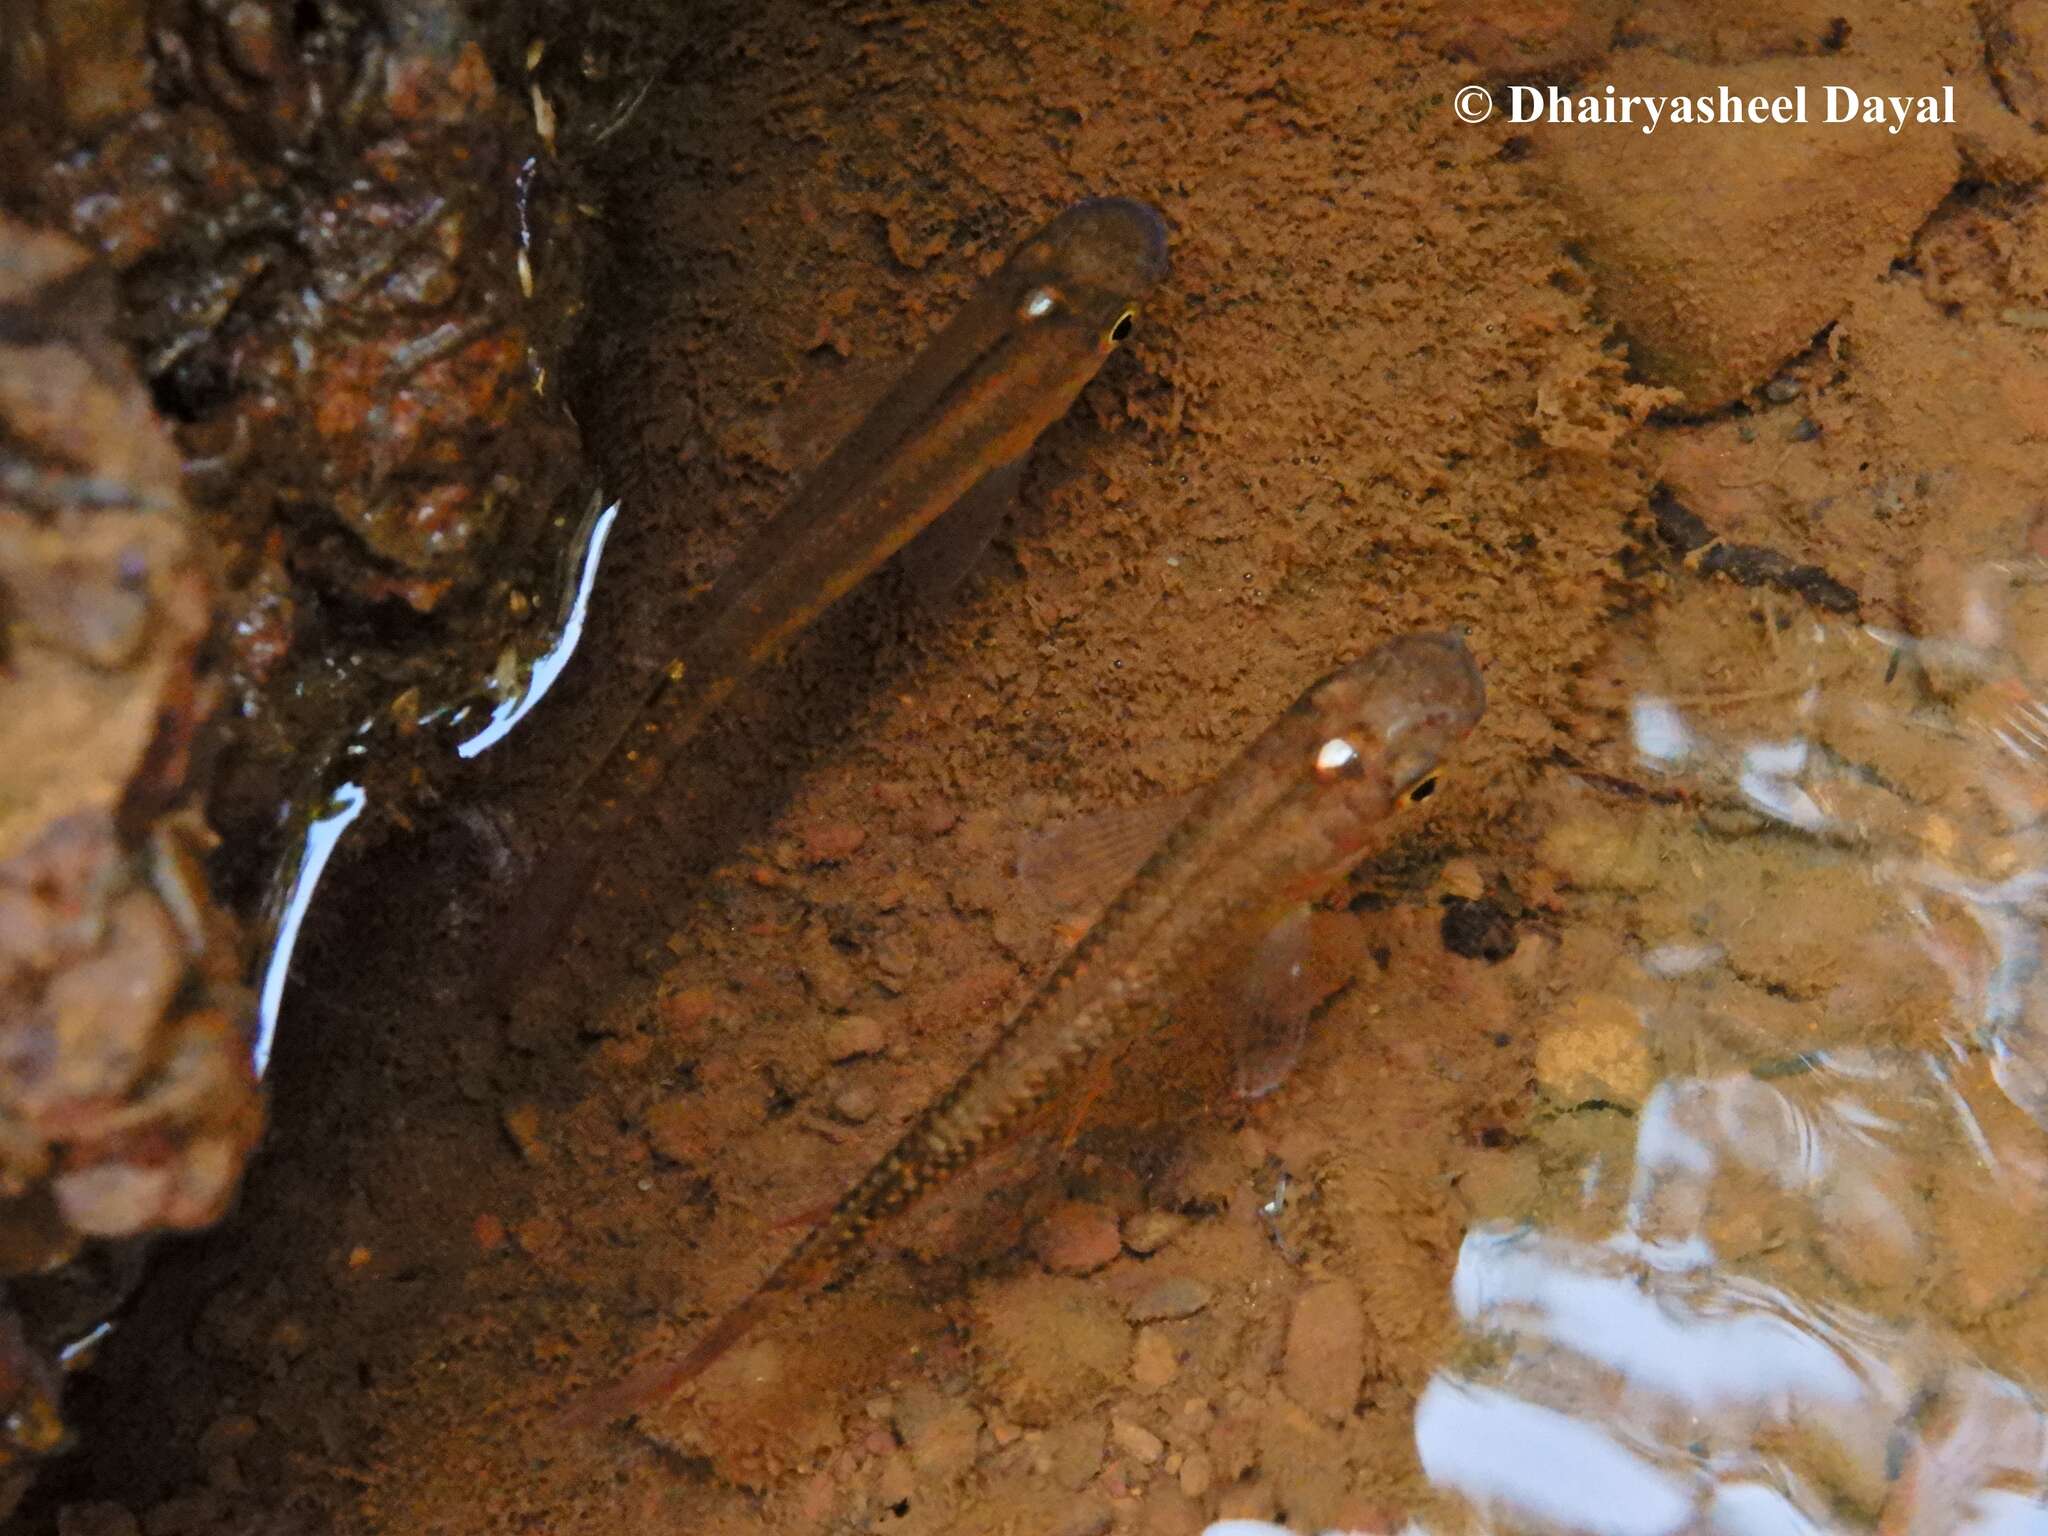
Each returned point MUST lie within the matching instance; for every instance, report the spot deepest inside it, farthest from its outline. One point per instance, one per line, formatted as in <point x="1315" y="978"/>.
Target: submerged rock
<point x="1720" y="249"/>
<point x="127" y="1099"/>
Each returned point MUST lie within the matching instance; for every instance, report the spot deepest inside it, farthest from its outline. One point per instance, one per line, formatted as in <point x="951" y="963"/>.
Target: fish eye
<point x="1125" y="324"/>
<point x="1420" y="790"/>
<point x="1039" y="303"/>
<point x="1338" y="759"/>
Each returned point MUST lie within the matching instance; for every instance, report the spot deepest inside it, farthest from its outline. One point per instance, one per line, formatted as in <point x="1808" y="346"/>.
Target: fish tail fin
<point x="659" y="1380"/>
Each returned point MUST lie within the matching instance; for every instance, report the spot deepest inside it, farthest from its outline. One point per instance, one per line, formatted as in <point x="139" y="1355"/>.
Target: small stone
<point x="674" y="1129"/>
<point x="854" y="1035"/>
<point x="687" y="1010"/>
<point x="539" y="1237"/>
<point x="1072" y="1452"/>
<point x="831" y="977"/>
<point x="1076" y="1238"/>
<point x="1324" y="1366"/>
<point x="1149" y="1231"/>
<point x="1595" y="1051"/>
<point x="1461" y="878"/>
<point x="937" y="819"/>
<point x="855" y="1105"/>
<point x="489" y="1232"/>
<point x="1782" y="390"/>
<point x="1047" y="1346"/>
<point x="832" y="842"/>
<point x="1678" y="272"/>
<point x="1175" y="1296"/>
<point x="939" y="1434"/>
<point x="522" y="1124"/>
<point x="814" y="1501"/>
<point x="896" y="1481"/>
<point x="1197" y="1474"/>
<point x="1136" y="1441"/>
<point x="1154" y="1360"/>
<point x="1477" y="930"/>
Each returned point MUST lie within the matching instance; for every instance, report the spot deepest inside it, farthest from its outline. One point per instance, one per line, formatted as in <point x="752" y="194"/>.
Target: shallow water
<point x="1805" y="1292"/>
<point x="1691" y="1183"/>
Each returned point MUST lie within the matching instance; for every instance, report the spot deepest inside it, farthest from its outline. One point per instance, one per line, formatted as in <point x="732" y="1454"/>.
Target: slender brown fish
<point x="953" y="431"/>
<point x="1302" y="806"/>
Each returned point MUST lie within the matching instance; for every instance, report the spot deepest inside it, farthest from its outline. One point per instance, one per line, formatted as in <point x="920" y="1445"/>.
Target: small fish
<point x="951" y="434"/>
<point x="1297" y="810"/>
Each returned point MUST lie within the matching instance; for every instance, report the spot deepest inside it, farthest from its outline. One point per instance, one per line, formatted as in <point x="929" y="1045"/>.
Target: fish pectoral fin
<point x="1080" y="865"/>
<point x="1269" y="997"/>
<point x="939" y="559"/>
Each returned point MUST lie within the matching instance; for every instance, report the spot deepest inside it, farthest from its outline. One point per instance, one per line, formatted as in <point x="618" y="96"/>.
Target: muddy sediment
<point x="1408" y="372"/>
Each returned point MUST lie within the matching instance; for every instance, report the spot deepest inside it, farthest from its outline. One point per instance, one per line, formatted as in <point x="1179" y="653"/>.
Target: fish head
<point x="1088" y="270"/>
<point x="1369" y="739"/>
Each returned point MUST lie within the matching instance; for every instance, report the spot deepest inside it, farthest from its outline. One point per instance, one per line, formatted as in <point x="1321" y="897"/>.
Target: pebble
<point x="1197" y="1474"/>
<point x="522" y="1124"/>
<point x="539" y="1237"/>
<point x="1324" y="1366"/>
<point x="855" y="1105"/>
<point x="1477" y="930"/>
<point x="674" y="1129"/>
<point x="814" y="1501"/>
<point x="1136" y="1441"/>
<point x="1461" y="878"/>
<point x="896" y="1481"/>
<point x="1715" y="292"/>
<point x="1154" y="1360"/>
<point x="1782" y="389"/>
<point x="831" y="976"/>
<point x="1175" y="1296"/>
<point x="489" y="1232"/>
<point x="1071" y="1453"/>
<point x="1596" y="1051"/>
<point x="1149" y="1231"/>
<point x="1047" y="1346"/>
<point x="855" y="1035"/>
<point x="939" y="1433"/>
<point x="1076" y="1238"/>
<point x="832" y="842"/>
<point x="686" y="1010"/>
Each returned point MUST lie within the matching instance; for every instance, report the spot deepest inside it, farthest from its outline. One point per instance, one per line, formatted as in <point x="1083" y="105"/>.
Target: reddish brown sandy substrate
<point x="1376" y="394"/>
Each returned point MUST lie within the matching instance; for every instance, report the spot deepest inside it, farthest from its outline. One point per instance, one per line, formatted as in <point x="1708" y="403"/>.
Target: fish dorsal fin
<point x="938" y="560"/>
<point x="1080" y="865"/>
